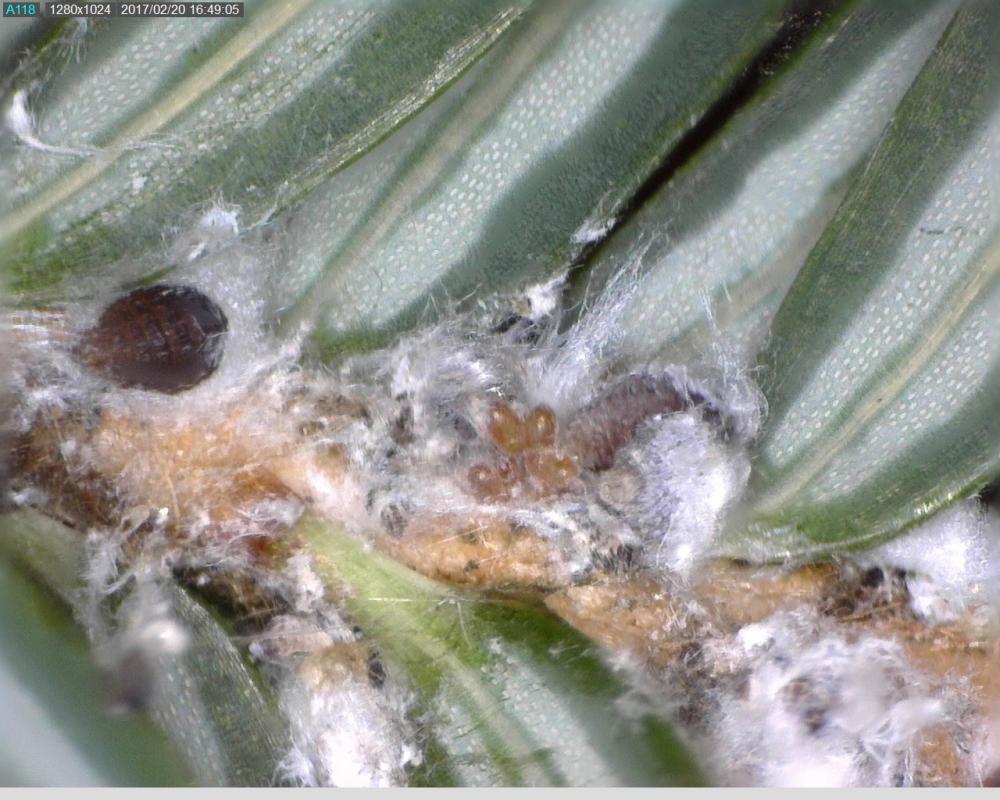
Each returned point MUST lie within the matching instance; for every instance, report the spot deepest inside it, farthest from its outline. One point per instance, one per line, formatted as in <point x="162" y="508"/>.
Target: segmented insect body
<point x="599" y="429"/>
<point x="163" y="338"/>
<point x="608" y="423"/>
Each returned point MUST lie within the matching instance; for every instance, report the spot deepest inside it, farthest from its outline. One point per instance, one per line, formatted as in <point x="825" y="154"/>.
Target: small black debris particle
<point x="376" y="670"/>
<point x="873" y="577"/>
<point x="393" y="520"/>
<point x="401" y="431"/>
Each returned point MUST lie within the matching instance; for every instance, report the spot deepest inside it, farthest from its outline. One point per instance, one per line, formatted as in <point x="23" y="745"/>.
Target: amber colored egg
<point x="487" y="484"/>
<point x="162" y="338"/>
<point x="551" y="472"/>
<point x="540" y="425"/>
<point x="507" y="429"/>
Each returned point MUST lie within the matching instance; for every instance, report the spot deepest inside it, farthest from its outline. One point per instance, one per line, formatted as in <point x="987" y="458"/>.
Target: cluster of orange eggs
<point x="529" y="466"/>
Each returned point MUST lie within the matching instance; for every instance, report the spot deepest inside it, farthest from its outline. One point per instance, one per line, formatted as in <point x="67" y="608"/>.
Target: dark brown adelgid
<point x="600" y="429"/>
<point x="162" y="338"/>
<point x="610" y="422"/>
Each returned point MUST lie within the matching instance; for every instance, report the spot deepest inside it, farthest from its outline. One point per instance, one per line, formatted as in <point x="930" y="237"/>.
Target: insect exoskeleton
<point x="164" y="338"/>
<point x="600" y="429"/>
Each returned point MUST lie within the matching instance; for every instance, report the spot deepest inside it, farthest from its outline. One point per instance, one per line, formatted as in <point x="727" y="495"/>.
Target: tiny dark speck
<point x="873" y="577"/>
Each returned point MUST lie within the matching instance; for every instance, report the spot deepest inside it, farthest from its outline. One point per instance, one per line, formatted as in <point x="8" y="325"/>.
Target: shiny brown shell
<point x="162" y="338"/>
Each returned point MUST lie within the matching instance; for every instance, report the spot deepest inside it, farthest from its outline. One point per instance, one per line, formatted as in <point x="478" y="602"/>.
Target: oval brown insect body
<point x="162" y="338"/>
<point x="608" y="423"/>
